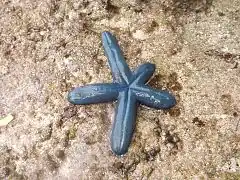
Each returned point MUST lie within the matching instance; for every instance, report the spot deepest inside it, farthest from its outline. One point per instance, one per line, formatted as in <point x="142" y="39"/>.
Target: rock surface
<point x="49" y="46"/>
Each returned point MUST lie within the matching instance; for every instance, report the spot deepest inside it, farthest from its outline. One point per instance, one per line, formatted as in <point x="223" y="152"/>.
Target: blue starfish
<point x="129" y="88"/>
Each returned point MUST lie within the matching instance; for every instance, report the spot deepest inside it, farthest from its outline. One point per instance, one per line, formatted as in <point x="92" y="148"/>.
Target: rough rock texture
<point x="49" y="46"/>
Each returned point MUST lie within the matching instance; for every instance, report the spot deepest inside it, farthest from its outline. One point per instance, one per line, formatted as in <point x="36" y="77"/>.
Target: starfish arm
<point x="154" y="98"/>
<point x="124" y="123"/>
<point x="120" y="70"/>
<point x="94" y="93"/>
<point x="143" y="73"/>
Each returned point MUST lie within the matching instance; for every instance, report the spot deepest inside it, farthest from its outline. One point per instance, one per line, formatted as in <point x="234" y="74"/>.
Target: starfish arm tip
<point x="155" y="98"/>
<point x="143" y="73"/>
<point x="94" y="93"/>
<point x="124" y="123"/>
<point x="120" y="71"/>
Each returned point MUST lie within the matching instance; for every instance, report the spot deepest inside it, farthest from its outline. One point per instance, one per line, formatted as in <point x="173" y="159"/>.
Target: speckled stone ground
<point x="49" y="46"/>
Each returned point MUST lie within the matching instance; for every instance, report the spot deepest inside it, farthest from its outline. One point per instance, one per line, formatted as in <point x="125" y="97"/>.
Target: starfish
<point x="129" y="88"/>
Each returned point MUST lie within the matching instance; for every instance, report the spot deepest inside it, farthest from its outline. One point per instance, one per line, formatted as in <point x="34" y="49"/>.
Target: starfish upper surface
<point x="128" y="88"/>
